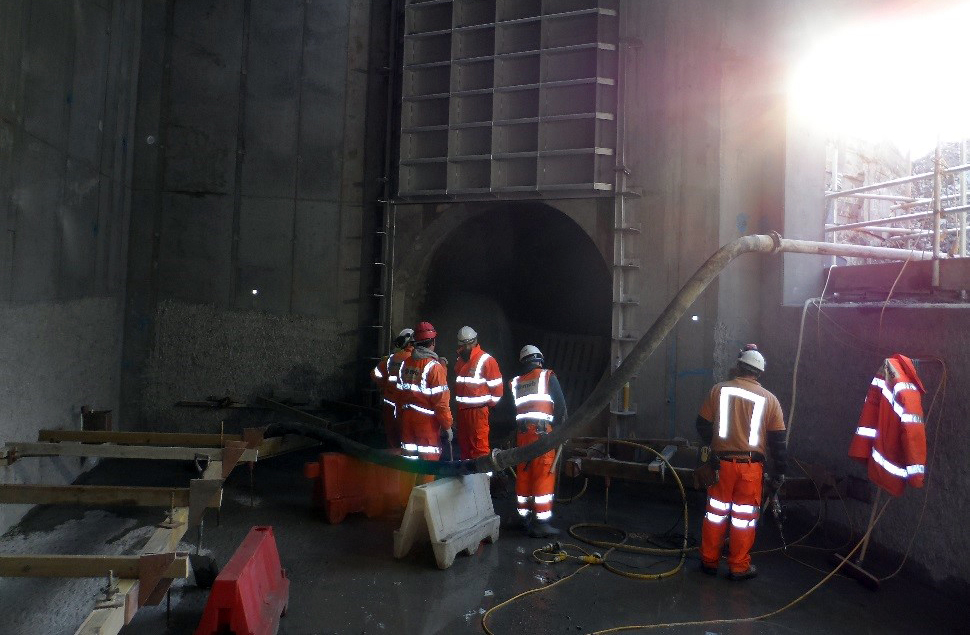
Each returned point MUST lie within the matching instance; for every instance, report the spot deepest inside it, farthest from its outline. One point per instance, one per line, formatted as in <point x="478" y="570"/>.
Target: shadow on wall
<point x="524" y="275"/>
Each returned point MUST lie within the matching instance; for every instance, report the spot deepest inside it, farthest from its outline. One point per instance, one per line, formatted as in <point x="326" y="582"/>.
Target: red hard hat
<point x="424" y="331"/>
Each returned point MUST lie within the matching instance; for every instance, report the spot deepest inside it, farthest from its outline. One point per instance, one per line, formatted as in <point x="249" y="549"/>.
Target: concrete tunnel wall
<point x="254" y="167"/>
<point x="67" y="73"/>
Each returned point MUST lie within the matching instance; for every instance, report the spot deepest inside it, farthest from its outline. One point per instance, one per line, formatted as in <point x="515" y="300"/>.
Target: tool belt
<point x="742" y="457"/>
<point x="542" y="427"/>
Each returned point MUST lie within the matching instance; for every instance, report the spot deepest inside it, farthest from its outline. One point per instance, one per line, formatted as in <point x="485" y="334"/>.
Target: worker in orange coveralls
<point x="738" y="420"/>
<point x="478" y="387"/>
<point x="385" y="377"/>
<point x="424" y="399"/>
<point x="540" y="406"/>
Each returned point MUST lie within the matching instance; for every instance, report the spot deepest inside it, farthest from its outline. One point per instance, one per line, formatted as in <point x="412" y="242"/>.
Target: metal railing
<point x="936" y="210"/>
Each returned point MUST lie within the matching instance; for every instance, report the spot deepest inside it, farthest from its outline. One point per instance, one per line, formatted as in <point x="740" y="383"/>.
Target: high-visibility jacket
<point x="423" y="383"/>
<point x="743" y="412"/>
<point x="385" y="375"/>
<point x="533" y="396"/>
<point x="891" y="437"/>
<point x="478" y="381"/>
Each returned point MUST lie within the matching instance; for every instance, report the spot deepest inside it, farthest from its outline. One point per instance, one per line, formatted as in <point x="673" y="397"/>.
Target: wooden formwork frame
<point x="144" y="578"/>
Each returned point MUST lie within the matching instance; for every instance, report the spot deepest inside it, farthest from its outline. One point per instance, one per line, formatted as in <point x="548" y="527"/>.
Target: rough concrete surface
<point x="57" y="358"/>
<point x="201" y="351"/>
<point x="842" y="349"/>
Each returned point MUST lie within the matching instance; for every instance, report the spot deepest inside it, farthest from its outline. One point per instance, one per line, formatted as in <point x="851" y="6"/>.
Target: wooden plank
<point x="121" y="451"/>
<point x="110" y="620"/>
<point x="169" y="439"/>
<point x="72" y="566"/>
<point x="106" y="495"/>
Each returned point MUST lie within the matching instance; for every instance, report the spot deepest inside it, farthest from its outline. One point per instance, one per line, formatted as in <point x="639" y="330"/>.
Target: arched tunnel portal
<point x="518" y="274"/>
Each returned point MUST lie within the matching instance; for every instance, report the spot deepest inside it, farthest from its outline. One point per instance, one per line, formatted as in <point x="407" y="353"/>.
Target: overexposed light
<point x="255" y="291"/>
<point x="897" y="79"/>
<point x="694" y="318"/>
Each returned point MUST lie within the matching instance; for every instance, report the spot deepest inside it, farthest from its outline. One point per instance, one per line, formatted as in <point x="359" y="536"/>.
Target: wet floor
<point x="344" y="579"/>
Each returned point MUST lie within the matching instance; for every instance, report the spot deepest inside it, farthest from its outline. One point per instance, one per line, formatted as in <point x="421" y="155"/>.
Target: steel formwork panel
<point x="507" y="96"/>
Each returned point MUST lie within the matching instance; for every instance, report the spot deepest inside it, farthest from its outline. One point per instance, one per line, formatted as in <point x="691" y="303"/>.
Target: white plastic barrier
<point x="455" y="513"/>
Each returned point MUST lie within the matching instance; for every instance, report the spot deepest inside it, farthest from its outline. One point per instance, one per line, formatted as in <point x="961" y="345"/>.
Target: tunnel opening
<point x="524" y="275"/>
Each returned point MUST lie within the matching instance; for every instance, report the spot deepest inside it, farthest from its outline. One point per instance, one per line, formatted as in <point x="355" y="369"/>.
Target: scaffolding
<point x="934" y="210"/>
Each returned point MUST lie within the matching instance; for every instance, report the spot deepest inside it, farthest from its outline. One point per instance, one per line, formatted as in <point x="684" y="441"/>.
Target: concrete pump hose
<point x="580" y="423"/>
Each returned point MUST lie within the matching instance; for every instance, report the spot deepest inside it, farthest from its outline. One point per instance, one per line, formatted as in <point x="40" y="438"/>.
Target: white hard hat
<point x="529" y="351"/>
<point x="466" y="334"/>
<point x="752" y="358"/>
<point x="409" y="333"/>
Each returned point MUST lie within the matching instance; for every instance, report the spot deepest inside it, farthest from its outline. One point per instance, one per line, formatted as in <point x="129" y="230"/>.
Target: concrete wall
<point x="249" y="175"/>
<point x="67" y="82"/>
<point x="843" y="348"/>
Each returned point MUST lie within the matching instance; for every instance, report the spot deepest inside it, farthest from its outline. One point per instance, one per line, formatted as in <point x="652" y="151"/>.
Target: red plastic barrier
<point x="251" y="593"/>
<point x="344" y="485"/>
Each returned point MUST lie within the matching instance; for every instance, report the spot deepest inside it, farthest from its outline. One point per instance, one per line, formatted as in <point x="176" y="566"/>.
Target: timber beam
<point x="21" y="450"/>
<point x="58" y="566"/>
<point x="95" y="495"/>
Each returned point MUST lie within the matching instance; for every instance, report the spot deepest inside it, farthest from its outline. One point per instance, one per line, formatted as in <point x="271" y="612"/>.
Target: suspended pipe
<point x="580" y="423"/>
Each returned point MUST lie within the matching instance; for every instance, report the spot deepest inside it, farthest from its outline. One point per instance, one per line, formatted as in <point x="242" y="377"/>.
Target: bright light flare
<point x="903" y="80"/>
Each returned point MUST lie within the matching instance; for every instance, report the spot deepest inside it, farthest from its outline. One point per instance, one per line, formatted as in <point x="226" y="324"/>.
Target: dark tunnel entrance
<point x="524" y="275"/>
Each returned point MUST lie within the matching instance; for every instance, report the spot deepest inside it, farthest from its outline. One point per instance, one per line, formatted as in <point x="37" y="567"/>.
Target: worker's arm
<point x="441" y="398"/>
<point x="705" y="430"/>
<point x="779" y="452"/>
<point x="559" y="400"/>
<point x="377" y="375"/>
<point x="493" y="379"/>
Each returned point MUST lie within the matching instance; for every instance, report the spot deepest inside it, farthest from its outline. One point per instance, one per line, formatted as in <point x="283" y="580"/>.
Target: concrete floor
<point x="345" y="580"/>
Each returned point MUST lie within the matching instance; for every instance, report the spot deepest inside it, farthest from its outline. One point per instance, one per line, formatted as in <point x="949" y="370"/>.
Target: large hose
<point x="580" y="423"/>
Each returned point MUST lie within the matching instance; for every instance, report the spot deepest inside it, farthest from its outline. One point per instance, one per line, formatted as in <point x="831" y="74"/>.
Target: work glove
<point x="448" y="434"/>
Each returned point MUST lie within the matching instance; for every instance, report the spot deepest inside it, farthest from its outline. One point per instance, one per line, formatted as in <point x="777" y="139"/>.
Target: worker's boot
<point x="543" y="529"/>
<point x="747" y="574"/>
<point x="518" y="522"/>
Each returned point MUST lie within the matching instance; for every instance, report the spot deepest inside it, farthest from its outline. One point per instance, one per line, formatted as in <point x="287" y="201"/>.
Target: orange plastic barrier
<point x="251" y="593"/>
<point x="343" y="485"/>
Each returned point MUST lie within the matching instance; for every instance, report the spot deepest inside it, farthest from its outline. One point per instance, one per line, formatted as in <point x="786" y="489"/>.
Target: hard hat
<point x="529" y="352"/>
<point x="466" y="334"/>
<point x="752" y="358"/>
<point x="424" y="331"/>
<point x="405" y="337"/>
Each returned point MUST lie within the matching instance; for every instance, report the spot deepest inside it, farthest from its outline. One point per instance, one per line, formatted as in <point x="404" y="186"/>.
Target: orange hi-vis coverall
<point x="539" y="403"/>
<point x="891" y="436"/>
<point x="478" y="387"/>
<point x="424" y="404"/>
<point x="385" y="376"/>
<point x="743" y="413"/>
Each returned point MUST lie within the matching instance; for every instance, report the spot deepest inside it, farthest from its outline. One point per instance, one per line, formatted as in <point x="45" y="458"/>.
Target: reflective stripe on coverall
<point x="478" y="387"/>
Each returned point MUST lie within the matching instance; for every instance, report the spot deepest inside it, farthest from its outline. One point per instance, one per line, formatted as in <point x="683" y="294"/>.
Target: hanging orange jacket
<point x="891" y="437"/>
<point x="478" y="381"/>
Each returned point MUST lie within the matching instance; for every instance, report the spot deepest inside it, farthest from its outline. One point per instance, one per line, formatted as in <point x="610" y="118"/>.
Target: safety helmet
<point x="424" y="331"/>
<point x="753" y="359"/>
<point x="530" y="353"/>
<point x="466" y="335"/>
<point x="405" y="337"/>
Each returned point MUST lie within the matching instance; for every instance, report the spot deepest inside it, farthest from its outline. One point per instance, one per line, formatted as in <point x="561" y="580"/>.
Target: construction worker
<point x="478" y="387"/>
<point x="424" y="398"/>
<point x="385" y="376"/>
<point x="539" y="406"/>
<point x="737" y="421"/>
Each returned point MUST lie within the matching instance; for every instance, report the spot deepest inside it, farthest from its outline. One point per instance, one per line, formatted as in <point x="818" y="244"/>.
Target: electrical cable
<point x="763" y="616"/>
